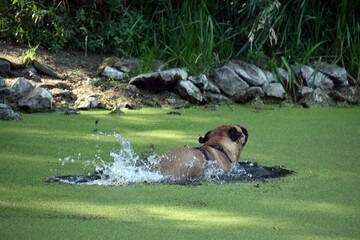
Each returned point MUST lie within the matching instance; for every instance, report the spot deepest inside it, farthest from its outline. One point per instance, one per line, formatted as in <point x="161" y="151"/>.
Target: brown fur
<point x="186" y="163"/>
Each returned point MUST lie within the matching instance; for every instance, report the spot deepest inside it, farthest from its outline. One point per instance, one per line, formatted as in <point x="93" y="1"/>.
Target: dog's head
<point x="224" y="133"/>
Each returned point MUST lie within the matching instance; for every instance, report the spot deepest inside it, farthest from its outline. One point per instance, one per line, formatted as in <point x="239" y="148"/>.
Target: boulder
<point x="126" y="65"/>
<point x="345" y="94"/>
<point x="271" y="77"/>
<point x="337" y="74"/>
<point x="211" y="97"/>
<point x="87" y="101"/>
<point x="22" y="87"/>
<point x="211" y="87"/>
<point x="253" y="75"/>
<point x="318" y="98"/>
<point x="6" y="113"/>
<point x="200" y="81"/>
<point x="228" y="81"/>
<point x="158" y="81"/>
<point x="39" y="100"/>
<point x="4" y="66"/>
<point x="274" y="90"/>
<point x="188" y="91"/>
<point x="113" y="73"/>
<point x="315" y="79"/>
<point x="245" y="96"/>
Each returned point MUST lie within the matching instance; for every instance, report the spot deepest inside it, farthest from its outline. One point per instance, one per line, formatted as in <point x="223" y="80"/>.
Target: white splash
<point x="127" y="167"/>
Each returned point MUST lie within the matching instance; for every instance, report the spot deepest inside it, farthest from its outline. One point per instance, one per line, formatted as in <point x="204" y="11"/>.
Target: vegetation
<point x="196" y="34"/>
<point x="320" y="201"/>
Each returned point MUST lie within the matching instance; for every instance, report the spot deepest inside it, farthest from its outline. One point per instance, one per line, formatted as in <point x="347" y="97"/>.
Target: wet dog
<point x="222" y="145"/>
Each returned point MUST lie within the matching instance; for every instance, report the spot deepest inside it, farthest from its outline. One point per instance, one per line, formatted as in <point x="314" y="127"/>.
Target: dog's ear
<point x="204" y="139"/>
<point x="245" y="132"/>
<point x="234" y="134"/>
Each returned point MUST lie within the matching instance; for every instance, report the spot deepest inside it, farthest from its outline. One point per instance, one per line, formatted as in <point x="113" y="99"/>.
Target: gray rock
<point x="200" y="81"/>
<point x="6" y="113"/>
<point x="3" y="83"/>
<point x="211" y="87"/>
<point x="249" y="72"/>
<point x="318" y="98"/>
<point x="113" y="73"/>
<point x="283" y="74"/>
<point x="274" y="90"/>
<point x="4" y="66"/>
<point x="39" y="100"/>
<point x="305" y="90"/>
<point x="228" y="81"/>
<point x="127" y="65"/>
<point x="247" y="95"/>
<point x="158" y="81"/>
<point x="210" y="97"/>
<point x="189" y="91"/>
<point x="315" y="79"/>
<point x="271" y="77"/>
<point x="345" y="94"/>
<point x="87" y="101"/>
<point x="22" y="87"/>
<point x="336" y="73"/>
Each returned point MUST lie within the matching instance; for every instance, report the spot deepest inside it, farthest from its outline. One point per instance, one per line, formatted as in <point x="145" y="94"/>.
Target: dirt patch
<point x="79" y="76"/>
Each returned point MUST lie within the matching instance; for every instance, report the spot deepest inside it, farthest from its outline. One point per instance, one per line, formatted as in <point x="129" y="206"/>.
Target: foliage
<point x="196" y="34"/>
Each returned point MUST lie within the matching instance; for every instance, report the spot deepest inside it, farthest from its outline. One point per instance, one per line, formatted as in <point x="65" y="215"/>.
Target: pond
<point x="319" y="201"/>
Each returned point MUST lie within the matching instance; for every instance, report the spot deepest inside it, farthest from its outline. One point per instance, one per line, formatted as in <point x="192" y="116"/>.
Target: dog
<point x="223" y="145"/>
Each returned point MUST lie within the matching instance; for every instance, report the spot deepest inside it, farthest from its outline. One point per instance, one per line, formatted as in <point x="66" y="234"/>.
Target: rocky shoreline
<point x="36" y="87"/>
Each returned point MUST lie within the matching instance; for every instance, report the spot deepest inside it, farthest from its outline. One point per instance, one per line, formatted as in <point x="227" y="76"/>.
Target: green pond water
<point x="320" y="201"/>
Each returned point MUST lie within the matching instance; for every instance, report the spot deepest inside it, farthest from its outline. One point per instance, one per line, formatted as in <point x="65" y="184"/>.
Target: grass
<point x="321" y="201"/>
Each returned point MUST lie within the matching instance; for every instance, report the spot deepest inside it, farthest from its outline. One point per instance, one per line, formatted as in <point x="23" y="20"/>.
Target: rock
<point x="4" y="66"/>
<point x="189" y="91"/>
<point x="200" y="81"/>
<point x="210" y="97"/>
<point x="274" y="90"/>
<point x="337" y="74"/>
<point x="39" y="100"/>
<point x="247" y="95"/>
<point x="318" y="98"/>
<point x="302" y="91"/>
<point x="253" y="75"/>
<point x="257" y="103"/>
<point x="22" y="87"/>
<point x="211" y="87"/>
<point x="87" y="101"/>
<point x="113" y="73"/>
<point x="345" y="94"/>
<point x="305" y="90"/>
<point x="315" y="79"/>
<point x="108" y="62"/>
<point x="126" y="65"/>
<point x="45" y="69"/>
<point x="271" y="77"/>
<point x="6" y="113"/>
<point x="7" y="94"/>
<point x="71" y="111"/>
<point x="174" y="101"/>
<point x="228" y="81"/>
<point x="3" y="83"/>
<point x="116" y="111"/>
<point x="158" y="81"/>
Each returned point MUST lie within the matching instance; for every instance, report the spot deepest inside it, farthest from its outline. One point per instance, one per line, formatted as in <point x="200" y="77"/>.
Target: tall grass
<point x="197" y="34"/>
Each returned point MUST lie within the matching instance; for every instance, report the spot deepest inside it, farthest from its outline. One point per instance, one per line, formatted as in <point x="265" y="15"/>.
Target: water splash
<point x="127" y="167"/>
<point x="124" y="167"/>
